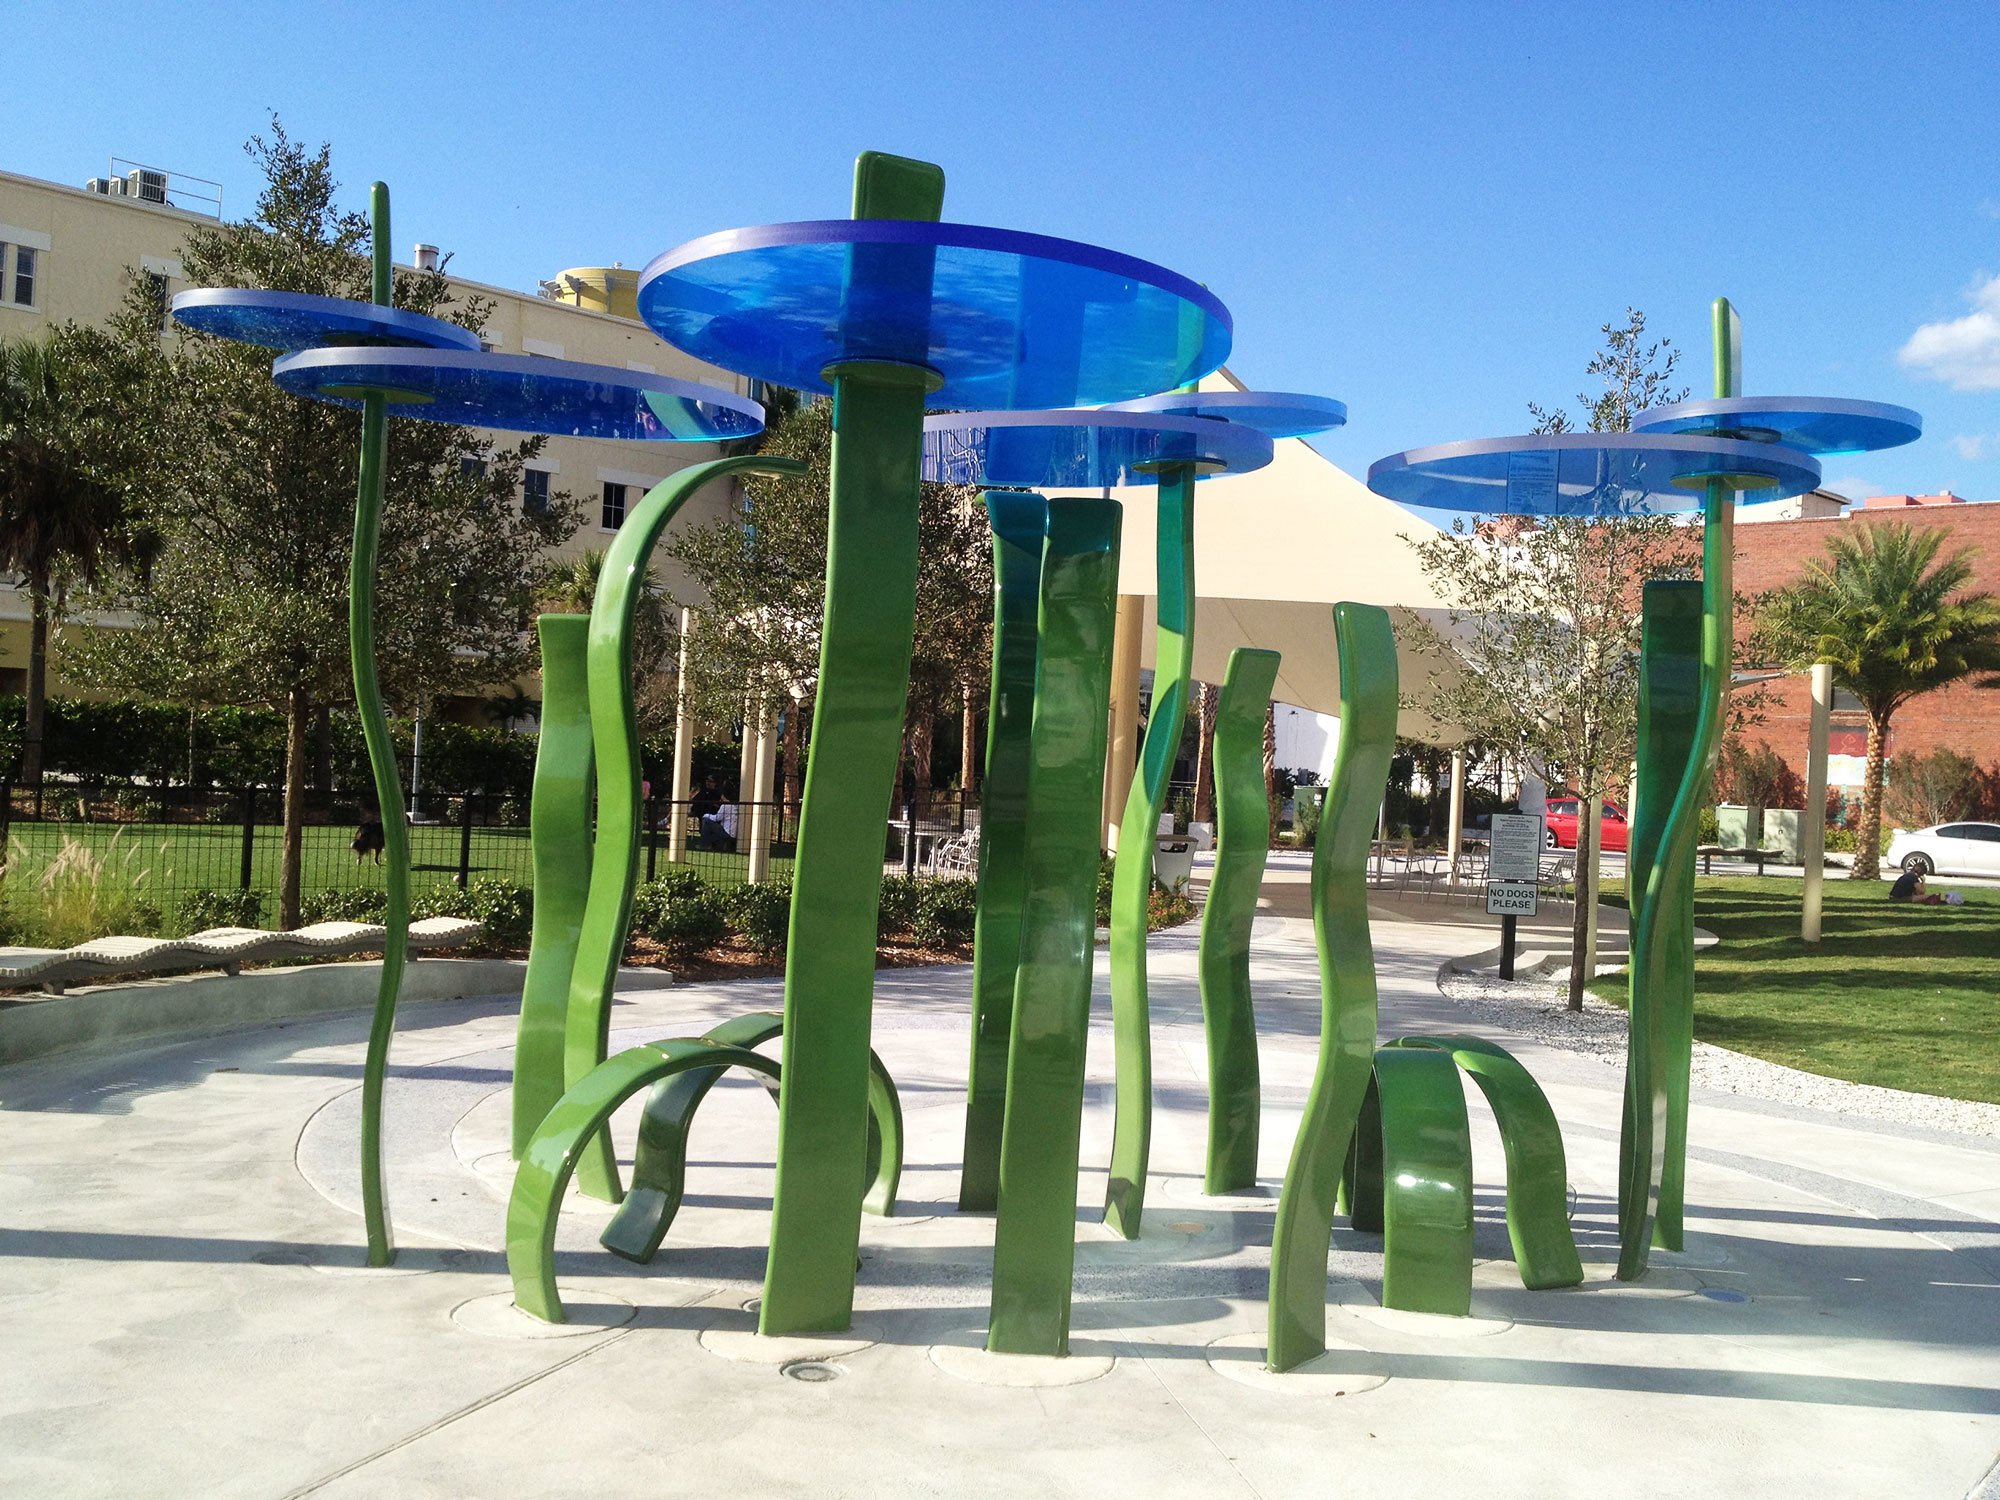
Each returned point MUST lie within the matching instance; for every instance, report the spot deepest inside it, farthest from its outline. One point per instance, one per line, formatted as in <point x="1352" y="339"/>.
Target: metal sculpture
<point x="383" y="362"/>
<point x="1302" y="1234"/>
<point x="1020" y="525"/>
<point x="1243" y="840"/>
<point x="1034" y="1240"/>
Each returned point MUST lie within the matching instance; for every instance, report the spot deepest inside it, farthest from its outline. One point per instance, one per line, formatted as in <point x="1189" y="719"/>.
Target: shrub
<point x="200" y="910"/>
<point x="1842" y="841"/>
<point x="361" y="903"/>
<point x="75" y="894"/>
<point x="762" y="913"/>
<point x="1106" y="870"/>
<point x="945" y="913"/>
<point x="1756" y="777"/>
<point x="1708" y="827"/>
<point x="1924" y="789"/>
<point x="681" y="912"/>
<point x="505" y="908"/>
<point x="1167" y="908"/>
<point x="899" y="906"/>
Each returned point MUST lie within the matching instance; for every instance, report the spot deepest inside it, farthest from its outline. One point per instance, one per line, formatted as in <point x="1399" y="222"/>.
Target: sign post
<point x="1513" y="877"/>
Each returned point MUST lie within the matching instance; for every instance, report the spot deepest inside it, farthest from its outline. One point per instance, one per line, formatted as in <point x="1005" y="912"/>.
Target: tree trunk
<point x="795" y="713"/>
<point x="1583" y="929"/>
<point x="1206" y="702"/>
<point x="298" y="728"/>
<point x="1271" y="764"/>
<point x="969" y="758"/>
<point x="923" y="731"/>
<point x="35" y="711"/>
<point x="1868" y="855"/>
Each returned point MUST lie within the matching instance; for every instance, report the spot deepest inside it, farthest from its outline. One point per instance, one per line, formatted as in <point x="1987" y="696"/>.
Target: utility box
<point x="1739" y="827"/>
<point x="1781" y="832"/>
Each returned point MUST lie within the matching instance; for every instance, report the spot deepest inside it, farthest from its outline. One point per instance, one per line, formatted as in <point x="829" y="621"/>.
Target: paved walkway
<point x="185" y="1313"/>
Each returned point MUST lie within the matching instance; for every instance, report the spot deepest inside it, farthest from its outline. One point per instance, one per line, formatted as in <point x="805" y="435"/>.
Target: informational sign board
<point x="1510" y="898"/>
<point x="1517" y="848"/>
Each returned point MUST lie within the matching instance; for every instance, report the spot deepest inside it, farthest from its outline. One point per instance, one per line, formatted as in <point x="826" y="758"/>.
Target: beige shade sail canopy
<point x="1275" y="550"/>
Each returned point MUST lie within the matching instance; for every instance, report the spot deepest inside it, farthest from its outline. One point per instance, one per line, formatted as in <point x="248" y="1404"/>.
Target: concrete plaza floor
<point x="185" y="1314"/>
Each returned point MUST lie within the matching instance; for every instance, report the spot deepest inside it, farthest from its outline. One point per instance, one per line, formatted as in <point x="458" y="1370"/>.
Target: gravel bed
<point x="1539" y="1008"/>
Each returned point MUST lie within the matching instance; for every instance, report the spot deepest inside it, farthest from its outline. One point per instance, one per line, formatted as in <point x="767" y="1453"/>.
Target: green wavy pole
<point x="614" y="728"/>
<point x="1020" y="522"/>
<point x="864" y="670"/>
<point x="1660" y="924"/>
<point x="559" y="836"/>
<point x="1669" y="707"/>
<point x="1034" y="1238"/>
<point x="1132" y="876"/>
<point x="381" y="763"/>
<point x="1303" y="1230"/>
<point x="1243" y="840"/>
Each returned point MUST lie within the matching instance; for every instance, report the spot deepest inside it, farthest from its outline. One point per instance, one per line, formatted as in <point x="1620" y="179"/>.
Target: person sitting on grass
<point x="1909" y="887"/>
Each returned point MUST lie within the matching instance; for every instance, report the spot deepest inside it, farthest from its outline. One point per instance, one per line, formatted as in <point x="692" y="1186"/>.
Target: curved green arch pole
<point x="1658" y="928"/>
<point x="1669" y="706"/>
<point x="1034" y="1239"/>
<point x="1020" y="522"/>
<point x="614" y="728"/>
<point x="659" y="1171"/>
<point x="368" y="495"/>
<point x="1537" y="1170"/>
<point x="864" y="671"/>
<point x="578" y="1118"/>
<point x="1243" y="840"/>
<point x="1426" y="1183"/>
<point x="1132" y="875"/>
<point x="1303" y="1230"/>
<point x="559" y="835"/>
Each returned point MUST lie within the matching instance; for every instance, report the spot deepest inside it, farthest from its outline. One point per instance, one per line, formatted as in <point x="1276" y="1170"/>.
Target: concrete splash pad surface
<point x="170" y="1214"/>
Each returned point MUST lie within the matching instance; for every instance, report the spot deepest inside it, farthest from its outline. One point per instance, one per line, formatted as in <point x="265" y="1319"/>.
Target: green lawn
<point x="1907" y="997"/>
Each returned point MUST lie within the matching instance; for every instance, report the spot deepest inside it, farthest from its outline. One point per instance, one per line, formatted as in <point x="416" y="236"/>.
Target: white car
<point x="1948" y="849"/>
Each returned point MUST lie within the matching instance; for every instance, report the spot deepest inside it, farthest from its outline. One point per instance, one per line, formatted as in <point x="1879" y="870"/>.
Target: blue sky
<point x="1426" y="210"/>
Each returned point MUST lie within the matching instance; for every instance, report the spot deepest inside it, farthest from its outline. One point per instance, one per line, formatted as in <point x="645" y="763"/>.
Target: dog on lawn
<point x="368" y="840"/>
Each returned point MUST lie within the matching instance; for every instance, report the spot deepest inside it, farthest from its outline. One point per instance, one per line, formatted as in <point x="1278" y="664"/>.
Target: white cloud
<point x="1977" y="445"/>
<point x="1964" y="351"/>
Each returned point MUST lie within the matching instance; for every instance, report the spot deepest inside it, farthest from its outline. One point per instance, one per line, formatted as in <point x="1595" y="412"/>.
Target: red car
<point x="1566" y="818"/>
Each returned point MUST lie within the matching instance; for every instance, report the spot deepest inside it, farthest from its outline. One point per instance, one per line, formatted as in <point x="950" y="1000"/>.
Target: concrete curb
<point x="190" y="1005"/>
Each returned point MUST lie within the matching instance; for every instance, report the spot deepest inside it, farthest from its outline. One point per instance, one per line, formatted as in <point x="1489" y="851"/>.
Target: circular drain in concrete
<point x="586" y="1311"/>
<point x="734" y="1337"/>
<point x="811" y="1371"/>
<point x="964" y="1356"/>
<point x="1429" y="1325"/>
<point x="1240" y="1357"/>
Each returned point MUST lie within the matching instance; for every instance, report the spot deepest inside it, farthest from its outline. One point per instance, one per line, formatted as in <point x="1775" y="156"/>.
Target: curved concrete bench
<point x="226" y="948"/>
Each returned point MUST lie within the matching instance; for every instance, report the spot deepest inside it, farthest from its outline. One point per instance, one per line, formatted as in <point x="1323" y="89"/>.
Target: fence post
<point x="249" y="833"/>
<point x="464" y="839"/>
<point x="6" y="812"/>
<point x="652" y="806"/>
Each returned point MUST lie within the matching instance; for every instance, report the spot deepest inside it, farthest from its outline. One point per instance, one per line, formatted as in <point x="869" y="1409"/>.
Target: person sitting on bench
<point x="718" y="829"/>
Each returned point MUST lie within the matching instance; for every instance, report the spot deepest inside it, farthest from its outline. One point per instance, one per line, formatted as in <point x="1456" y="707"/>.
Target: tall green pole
<point x="864" y="668"/>
<point x="381" y="761"/>
<point x="1132" y="877"/>
<point x="1661" y="1033"/>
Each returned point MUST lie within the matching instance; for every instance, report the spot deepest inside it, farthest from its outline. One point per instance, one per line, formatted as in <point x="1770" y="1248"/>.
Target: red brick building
<point x="1962" y="717"/>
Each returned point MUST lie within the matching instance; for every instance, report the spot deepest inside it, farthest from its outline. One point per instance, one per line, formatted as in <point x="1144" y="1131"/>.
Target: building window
<point x="26" y="264"/>
<point x="472" y="468"/>
<point x="156" y="297"/>
<point x="534" y="492"/>
<point x="614" y="506"/>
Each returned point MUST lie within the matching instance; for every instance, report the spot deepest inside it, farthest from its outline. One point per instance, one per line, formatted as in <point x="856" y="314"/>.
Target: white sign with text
<point x="1517" y="848"/>
<point x="1510" y="898"/>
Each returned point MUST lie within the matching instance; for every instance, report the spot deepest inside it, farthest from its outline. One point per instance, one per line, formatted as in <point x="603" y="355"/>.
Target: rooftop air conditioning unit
<point x="146" y="185"/>
<point x="426" y="257"/>
<point x="110" y="187"/>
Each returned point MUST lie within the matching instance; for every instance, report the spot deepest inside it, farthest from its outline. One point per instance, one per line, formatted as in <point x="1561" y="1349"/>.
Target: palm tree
<point x="61" y="521"/>
<point x="1894" y="621"/>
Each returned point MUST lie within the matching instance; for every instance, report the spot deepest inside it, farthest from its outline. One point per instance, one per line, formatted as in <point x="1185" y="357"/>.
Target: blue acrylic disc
<point x="1588" y="473"/>
<point x="521" y="393"/>
<point x="1276" y="414"/>
<point x="1822" y="426"/>
<point x="1083" y="449"/>
<point x="294" y="320"/>
<point x="1002" y="319"/>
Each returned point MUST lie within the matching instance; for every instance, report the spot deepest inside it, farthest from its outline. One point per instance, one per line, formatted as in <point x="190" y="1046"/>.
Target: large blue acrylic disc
<point x="1002" y="319"/>
<point x="1588" y="473"/>
<point x="1813" y="424"/>
<point x="1082" y="449"/>
<point x="520" y="393"/>
<point x="294" y="320"/>
<point x="1276" y="414"/>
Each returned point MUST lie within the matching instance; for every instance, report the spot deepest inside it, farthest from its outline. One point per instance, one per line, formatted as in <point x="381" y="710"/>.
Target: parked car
<point x="1566" y="817"/>
<point x="1948" y="849"/>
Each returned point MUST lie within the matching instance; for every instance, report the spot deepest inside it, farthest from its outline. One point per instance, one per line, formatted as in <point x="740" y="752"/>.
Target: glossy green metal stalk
<point x="1662" y="925"/>
<point x="559" y="836"/>
<point x="871" y="581"/>
<point x="1304" y="1226"/>
<point x="614" y="727"/>
<point x="1020" y="523"/>
<point x="1034" y="1242"/>
<point x="1243" y="840"/>
<point x="1132" y="877"/>
<point x="1426" y="1183"/>
<point x="368" y="499"/>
